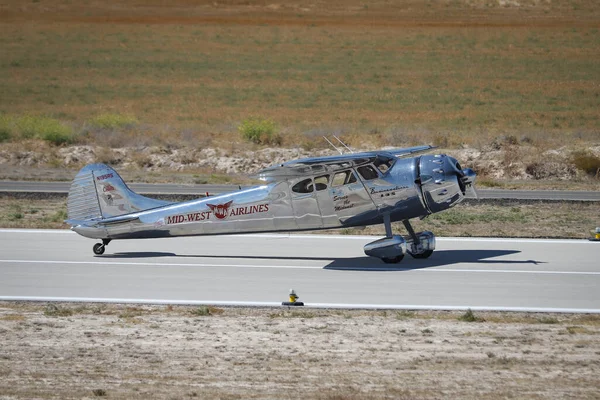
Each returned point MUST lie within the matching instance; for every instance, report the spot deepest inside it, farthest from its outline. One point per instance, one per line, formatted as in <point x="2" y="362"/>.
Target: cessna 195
<point x="347" y="190"/>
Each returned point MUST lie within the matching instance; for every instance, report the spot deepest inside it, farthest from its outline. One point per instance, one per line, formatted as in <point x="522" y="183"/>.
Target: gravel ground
<point x="136" y="352"/>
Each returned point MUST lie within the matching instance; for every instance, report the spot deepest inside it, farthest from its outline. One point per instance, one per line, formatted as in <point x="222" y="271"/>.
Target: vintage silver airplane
<point x="347" y="190"/>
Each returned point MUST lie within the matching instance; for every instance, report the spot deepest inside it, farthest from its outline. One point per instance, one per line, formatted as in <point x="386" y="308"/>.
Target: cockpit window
<point x="343" y="178"/>
<point x="305" y="186"/>
<point x="321" y="182"/>
<point x="368" y="172"/>
<point x="383" y="164"/>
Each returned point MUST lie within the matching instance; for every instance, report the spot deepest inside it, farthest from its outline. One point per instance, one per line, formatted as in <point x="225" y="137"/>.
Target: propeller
<point x="468" y="179"/>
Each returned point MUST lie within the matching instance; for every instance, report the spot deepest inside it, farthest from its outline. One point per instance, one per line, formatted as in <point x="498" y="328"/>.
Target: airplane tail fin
<point x="98" y="192"/>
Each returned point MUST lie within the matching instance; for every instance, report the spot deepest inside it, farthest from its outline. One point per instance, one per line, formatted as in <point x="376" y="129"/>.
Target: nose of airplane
<point x="466" y="177"/>
<point x="443" y="181"/>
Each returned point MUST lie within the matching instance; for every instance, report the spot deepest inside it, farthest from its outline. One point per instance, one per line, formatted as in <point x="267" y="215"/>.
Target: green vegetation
<point x="204" y="311"/>
<point x="53" y="310"/>
<point x="469" y="316"/>
<point x="58" y="216"/>
<point x="200" y="311"/>
<point x="440" y="72"/>
<point x="113" y="121"/>
<point x="259" y="130"/>
<point x="35" y="127"/>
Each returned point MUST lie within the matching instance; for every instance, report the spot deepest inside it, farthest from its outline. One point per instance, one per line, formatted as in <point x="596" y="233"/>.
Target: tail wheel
<point x="425" y="254"/>
<point x="99" y="248"/>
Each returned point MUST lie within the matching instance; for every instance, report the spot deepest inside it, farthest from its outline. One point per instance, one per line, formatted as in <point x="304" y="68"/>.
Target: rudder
<point x="98" y="192"/>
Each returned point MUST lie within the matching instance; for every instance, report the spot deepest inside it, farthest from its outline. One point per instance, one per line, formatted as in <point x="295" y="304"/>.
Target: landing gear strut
<point x="419" y="245"/>
<point x="392" y="248"/>
<point x="100" y="247"/>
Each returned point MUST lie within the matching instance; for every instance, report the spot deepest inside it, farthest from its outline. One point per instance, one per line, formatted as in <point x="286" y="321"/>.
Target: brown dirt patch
<point x="124" y="351"/>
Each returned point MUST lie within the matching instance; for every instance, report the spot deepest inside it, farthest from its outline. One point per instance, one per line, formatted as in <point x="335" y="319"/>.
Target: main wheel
<point x="393" y="260"/>
<point x="425" y="254"/>
<point x="99" y="248"/>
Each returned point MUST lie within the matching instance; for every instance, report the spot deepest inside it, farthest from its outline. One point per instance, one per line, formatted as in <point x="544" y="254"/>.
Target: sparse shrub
<point x="58" y="216"/>
<point x="578" y="330"/>
<point x="202" y="311"/>
<point x="586" y="162"/>
<point x="99" y="392"/>
<point x="114" y="121"/>
<point x="4" y="135"/>
<point x="259" y="130"/>
<point x="48" y="129"/>
<point x="15" y="216"/>
<point x="52" y="310"/>
<point x="6" y="128"/>
<point x="57" y="137"/>
<point x="469" y="316"/>
<point x="404" y="314"/>
<point x="131" y="312"/>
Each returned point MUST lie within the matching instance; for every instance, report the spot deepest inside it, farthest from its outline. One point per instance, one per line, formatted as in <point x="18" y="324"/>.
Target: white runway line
<point x="349" y="268"/>
<point x="306" y="305"/>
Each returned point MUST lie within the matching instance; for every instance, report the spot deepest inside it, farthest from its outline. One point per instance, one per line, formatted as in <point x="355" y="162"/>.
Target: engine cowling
<point x="443" y="182"/>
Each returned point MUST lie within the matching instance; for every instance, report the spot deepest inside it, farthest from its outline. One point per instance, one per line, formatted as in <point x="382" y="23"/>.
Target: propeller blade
<point x="472" y="192"/>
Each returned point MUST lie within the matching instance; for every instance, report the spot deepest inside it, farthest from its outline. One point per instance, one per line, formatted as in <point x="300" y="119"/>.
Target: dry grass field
<point x="378" y="72"/>
<point x="71" y="351"/>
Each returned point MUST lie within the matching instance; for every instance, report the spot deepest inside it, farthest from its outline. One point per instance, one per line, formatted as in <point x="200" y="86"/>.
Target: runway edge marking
<point x="306" y="305"/>
<point x="373" y="268"/>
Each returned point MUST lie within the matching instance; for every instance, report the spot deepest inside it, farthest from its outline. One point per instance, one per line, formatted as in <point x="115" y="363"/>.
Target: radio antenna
<point x="343" y="144"/>
<point x="332" y="145"/>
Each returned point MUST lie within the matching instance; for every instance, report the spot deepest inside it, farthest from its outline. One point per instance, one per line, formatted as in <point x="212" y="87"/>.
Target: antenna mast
<point x="332" y="145"/>
<point x="343" y="144"/>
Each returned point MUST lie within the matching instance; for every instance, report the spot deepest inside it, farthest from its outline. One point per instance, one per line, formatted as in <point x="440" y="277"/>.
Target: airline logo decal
<point x="218" y="212"/>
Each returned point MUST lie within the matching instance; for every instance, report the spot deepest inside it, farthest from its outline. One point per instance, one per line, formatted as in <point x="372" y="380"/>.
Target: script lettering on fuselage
<point x="388" y="191"/>
<point x="223" y="213"/>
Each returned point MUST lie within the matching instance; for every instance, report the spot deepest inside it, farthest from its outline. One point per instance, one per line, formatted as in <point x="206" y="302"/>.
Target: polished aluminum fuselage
<point x="280" y="206"/>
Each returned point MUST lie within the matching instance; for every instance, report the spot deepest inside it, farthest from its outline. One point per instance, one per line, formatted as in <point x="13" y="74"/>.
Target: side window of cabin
<point x="383" y="165"/>
<point x="305" y="186"/>
<point x="343" y="178"/>
<point x="368" y="172"/>
<point x="321" y="182"/>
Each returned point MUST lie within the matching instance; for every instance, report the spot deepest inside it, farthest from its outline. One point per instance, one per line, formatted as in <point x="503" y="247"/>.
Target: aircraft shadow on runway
<point x="138" y="254"/>
<point x="438" y="259"/>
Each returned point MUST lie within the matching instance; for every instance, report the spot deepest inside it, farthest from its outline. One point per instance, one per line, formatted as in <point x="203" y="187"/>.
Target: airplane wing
<point x="329" y="163"/>
<point x="359" y="157"/>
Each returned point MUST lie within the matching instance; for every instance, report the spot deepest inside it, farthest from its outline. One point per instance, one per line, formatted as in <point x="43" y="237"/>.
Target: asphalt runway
<point x="200" y="190"/>
<point x="326" y="271"/>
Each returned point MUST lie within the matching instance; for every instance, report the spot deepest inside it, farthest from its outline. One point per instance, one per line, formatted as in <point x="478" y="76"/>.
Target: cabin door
<point x="304" y="204"/>
<point x="351" y="201"/>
